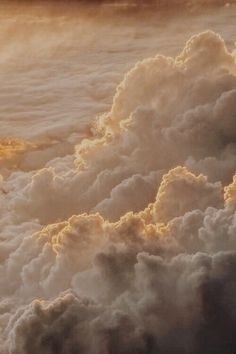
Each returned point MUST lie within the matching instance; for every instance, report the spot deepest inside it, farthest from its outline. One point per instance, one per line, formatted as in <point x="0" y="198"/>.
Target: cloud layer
<point x="129" y="246"/>
<point x="134" y="286"/>
<point x="166" y="112"/>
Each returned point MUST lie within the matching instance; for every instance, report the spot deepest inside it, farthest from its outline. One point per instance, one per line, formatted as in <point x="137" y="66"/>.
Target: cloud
<point x="166" y="112"/>
<point x="135" y="285"/>
<point x="129" y="246"/>
<point x="146" y="292"/>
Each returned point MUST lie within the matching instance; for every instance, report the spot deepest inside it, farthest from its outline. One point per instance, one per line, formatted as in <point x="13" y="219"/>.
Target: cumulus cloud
<point x="166" y="112"/>
<point x="130" y="245"/>
<point x="135" y="286"/>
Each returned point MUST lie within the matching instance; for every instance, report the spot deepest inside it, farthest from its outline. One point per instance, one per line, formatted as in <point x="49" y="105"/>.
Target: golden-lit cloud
<point x="119" y="237"/>
<point x="10" y="148"/>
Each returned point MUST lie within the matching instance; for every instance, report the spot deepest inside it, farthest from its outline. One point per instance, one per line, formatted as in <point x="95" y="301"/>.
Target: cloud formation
<point x="133" y="286"/>
<point x="166" y="112"/>
<point x="130" y="245"/>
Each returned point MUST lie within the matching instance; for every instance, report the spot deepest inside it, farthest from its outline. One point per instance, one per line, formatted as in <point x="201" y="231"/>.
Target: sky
<point x="117" y="178"/>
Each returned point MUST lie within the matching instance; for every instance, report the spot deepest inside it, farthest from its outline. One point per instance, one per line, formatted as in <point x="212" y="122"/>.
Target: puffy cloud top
<point x="132" y="249"/>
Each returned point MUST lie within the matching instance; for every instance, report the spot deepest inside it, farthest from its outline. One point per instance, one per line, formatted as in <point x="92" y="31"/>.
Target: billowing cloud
<point x="166" y="112"/>
<point x="135" y="286"/>
<point x="129" y="246"/>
